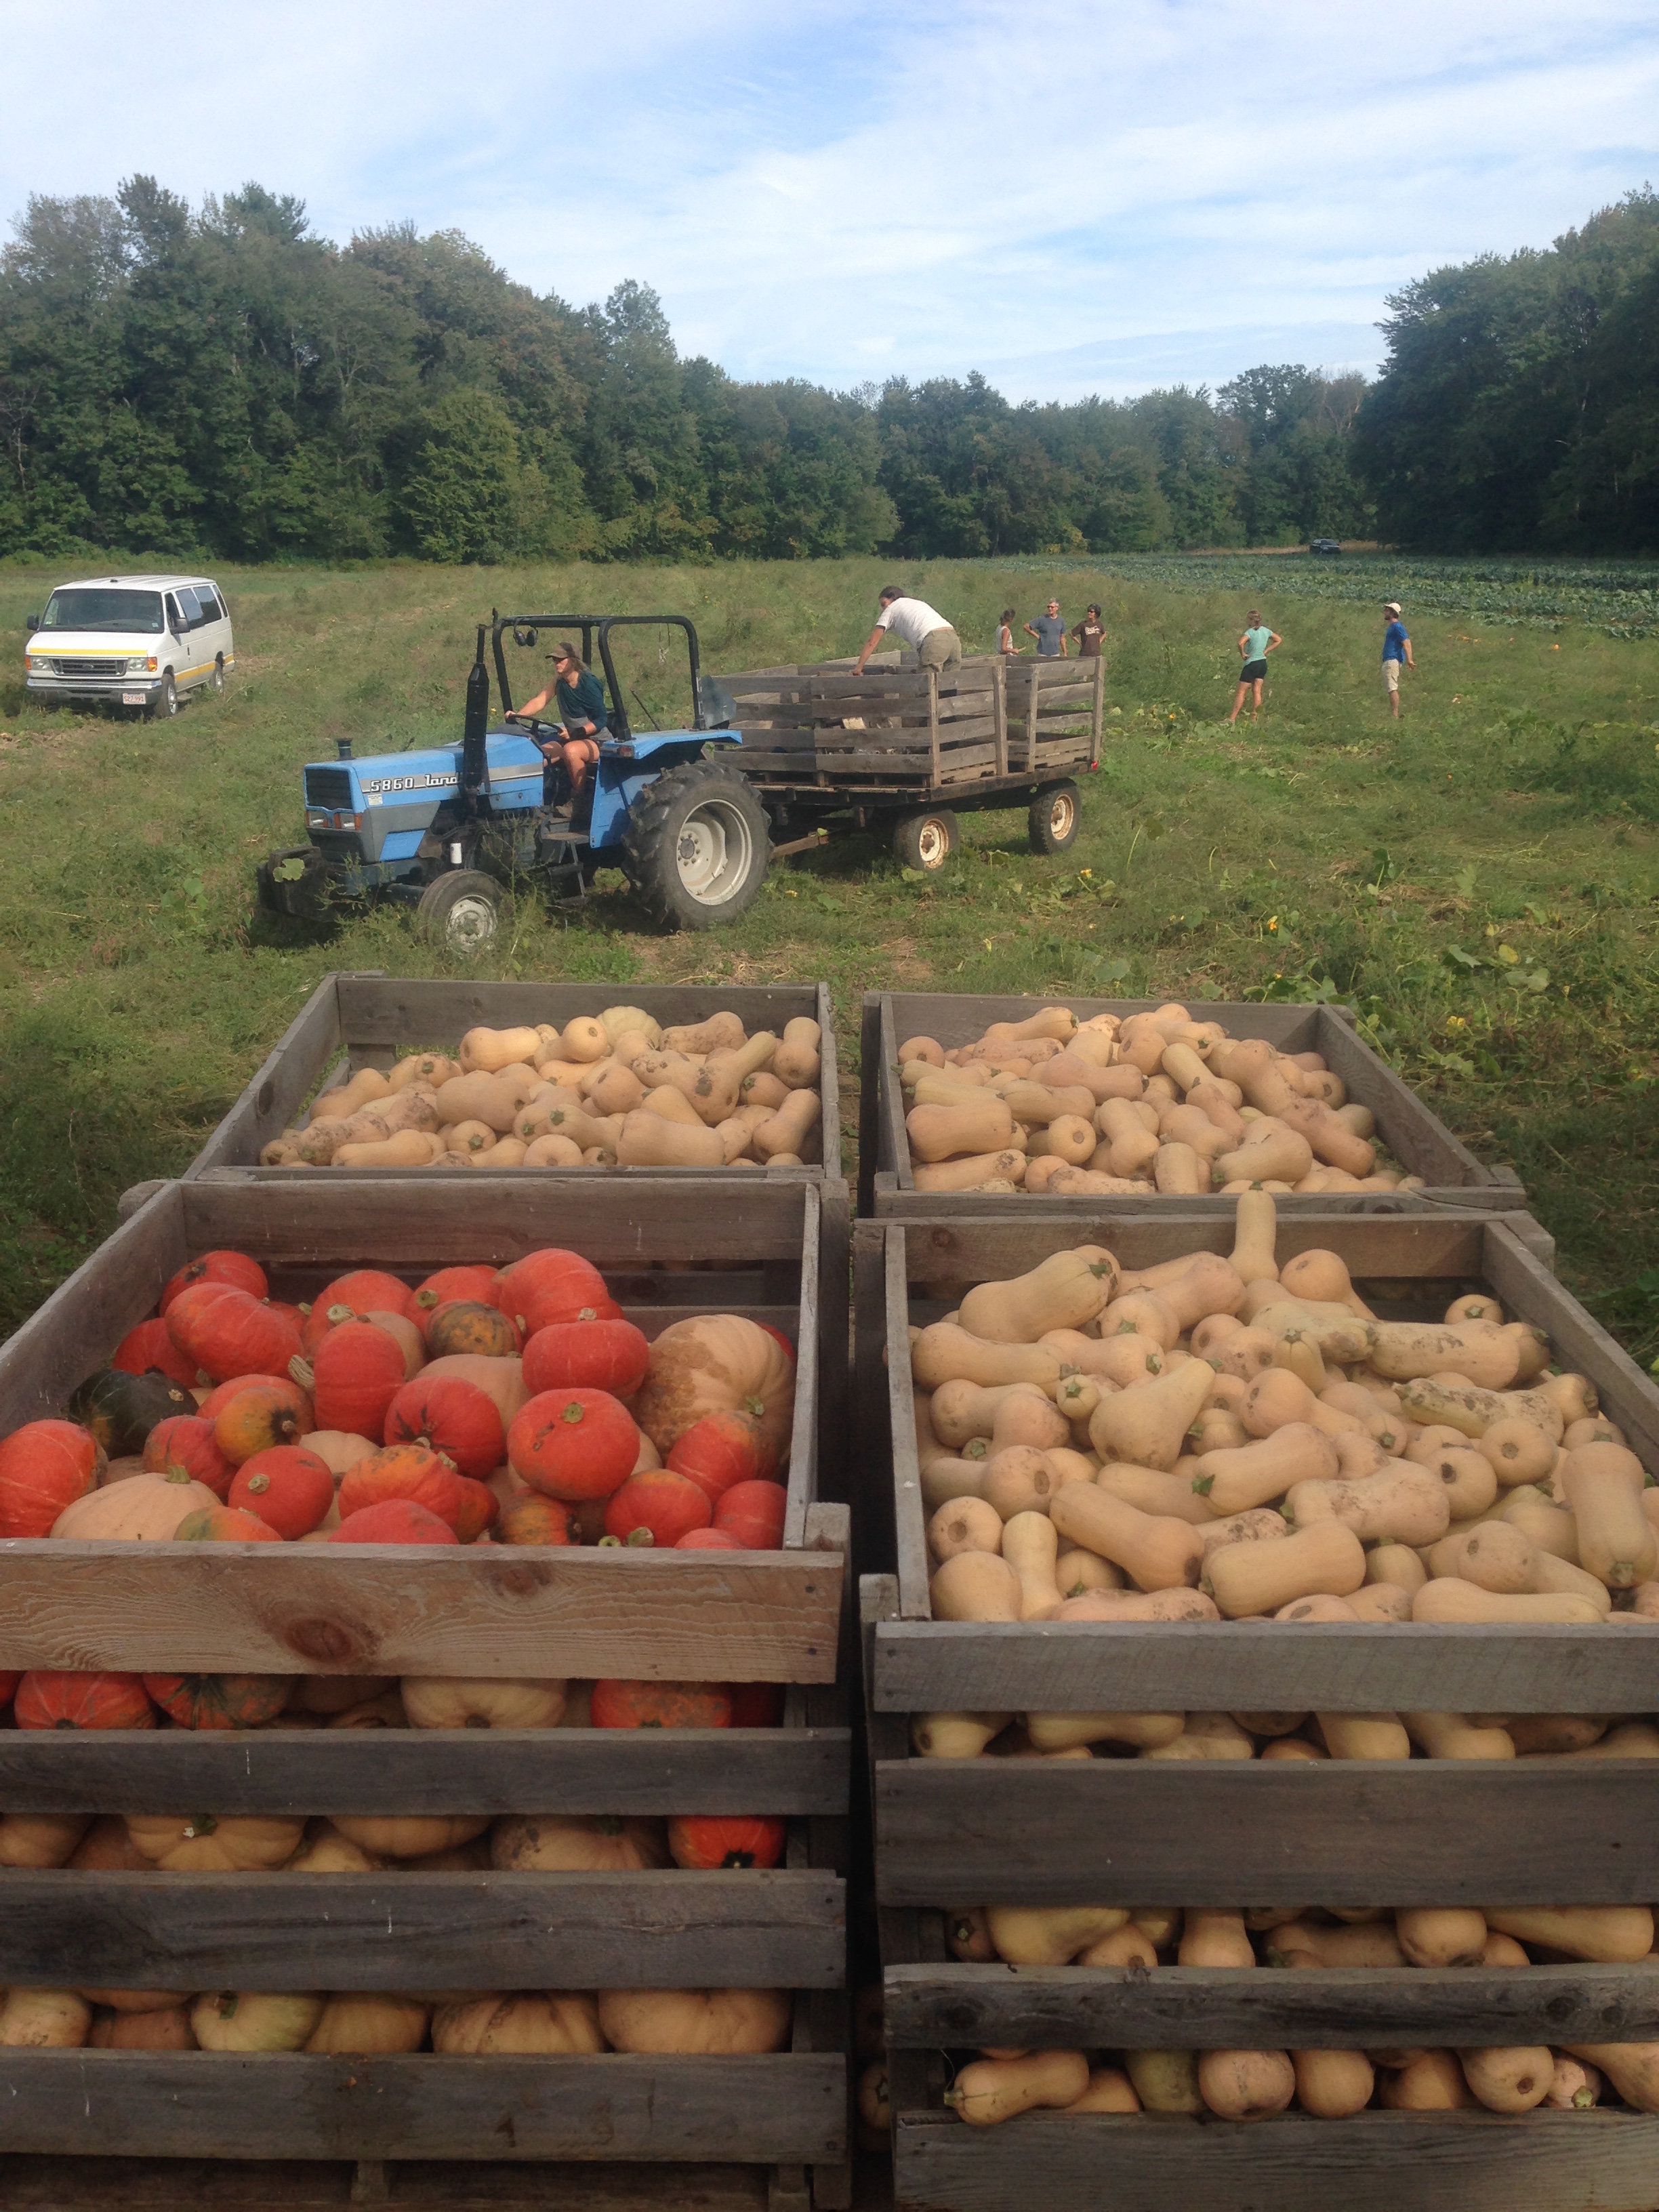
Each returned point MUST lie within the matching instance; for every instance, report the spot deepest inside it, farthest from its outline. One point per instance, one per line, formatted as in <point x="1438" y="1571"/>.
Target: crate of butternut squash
<point x="423" y="1625"/>
<point x="388" y="1076"/>
<point x="1106" y="1105"/>
<point x="1264" y="1717"/>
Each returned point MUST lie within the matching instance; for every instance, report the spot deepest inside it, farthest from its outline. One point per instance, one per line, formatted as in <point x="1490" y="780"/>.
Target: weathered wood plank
<point x="281" y="1087"/>
<point x="398" y="1931"/>
<point x="1189" y="2009"/>
<point x="909" y="1523"/>
<point x="1374" y="2162"/>
<point x="927" y="1666"/>
<point x="495" y="1771"/>
<point x="1418" y="1139"/>
<point x="1238" y="1833"/>
<point x="889" y="1201"/>
<point x="63" y="2183"/>
<point x="1528" y="1289"/>
<point x="219" y="2105"/>
<point x="390" y="1609"/>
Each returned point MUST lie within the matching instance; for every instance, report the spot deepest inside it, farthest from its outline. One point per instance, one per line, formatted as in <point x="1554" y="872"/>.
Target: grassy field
<point x="1481" y="880"/>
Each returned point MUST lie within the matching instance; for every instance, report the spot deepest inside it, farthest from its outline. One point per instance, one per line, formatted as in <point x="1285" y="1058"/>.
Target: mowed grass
<point x="1481" y="880"/>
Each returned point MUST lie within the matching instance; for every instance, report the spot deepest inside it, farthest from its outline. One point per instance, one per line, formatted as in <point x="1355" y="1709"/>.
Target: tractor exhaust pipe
<point x="474" y="779"/>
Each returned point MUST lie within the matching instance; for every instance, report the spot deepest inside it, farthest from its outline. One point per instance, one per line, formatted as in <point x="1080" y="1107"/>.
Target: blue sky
<point x="1072" y="196"/>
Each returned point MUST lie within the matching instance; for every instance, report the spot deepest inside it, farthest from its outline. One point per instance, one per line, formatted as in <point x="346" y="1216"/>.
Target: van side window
<point x="189" y="606"/>
<point x="211" y="609"/>
<point x="175" y="621"/>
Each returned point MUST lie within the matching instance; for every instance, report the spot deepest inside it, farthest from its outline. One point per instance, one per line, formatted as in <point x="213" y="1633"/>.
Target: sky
<point x="1084" y="196"/>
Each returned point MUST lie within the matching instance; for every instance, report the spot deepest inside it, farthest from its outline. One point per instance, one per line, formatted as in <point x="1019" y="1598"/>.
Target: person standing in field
<point x="922" y="628"/>
<point x="1006" y="633"/>
<point x="1396" y="653"/>
<point x="1049" y="631"/>
<point x="1090" y="634"/>
<point x="1257" y="641"/>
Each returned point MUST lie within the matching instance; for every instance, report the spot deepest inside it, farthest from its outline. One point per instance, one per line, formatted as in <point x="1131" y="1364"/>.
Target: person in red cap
<point x="1396" y="653"/>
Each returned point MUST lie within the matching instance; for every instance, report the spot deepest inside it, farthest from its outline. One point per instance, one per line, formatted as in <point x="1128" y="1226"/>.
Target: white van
<point x="146" y="641"/>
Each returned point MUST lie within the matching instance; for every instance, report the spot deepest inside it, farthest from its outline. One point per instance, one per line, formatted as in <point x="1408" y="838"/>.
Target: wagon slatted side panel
<point x="1055" y="712"/>
<point x="884" y="727"/>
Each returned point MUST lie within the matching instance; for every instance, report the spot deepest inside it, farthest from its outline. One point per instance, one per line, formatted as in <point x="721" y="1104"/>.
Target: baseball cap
<point x="1390" y="606"/>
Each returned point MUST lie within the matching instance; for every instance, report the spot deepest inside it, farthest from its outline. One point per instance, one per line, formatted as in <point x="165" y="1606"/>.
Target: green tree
<point x="461" y="494"/>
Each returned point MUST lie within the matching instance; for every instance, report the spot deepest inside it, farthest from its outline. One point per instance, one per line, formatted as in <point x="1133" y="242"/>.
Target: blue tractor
<point x="455" y="830"/>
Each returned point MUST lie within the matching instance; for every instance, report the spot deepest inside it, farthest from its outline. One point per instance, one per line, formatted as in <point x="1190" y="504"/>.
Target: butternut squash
<point x="1398" y="1564"/>
<point x="954" y="1735"/>
<point x="1063" y="1292"/>
<point x="494" y="1100"/>
<point x="1432" y="2082"/>
<point x="976" y="1586"/>
<point x="1236" y="1479"/>
<point x="1333" y="2085"/>
<point x="646" y="1140"/>
<point x="1455" y="1402"/>
<point x="1601" y="1484"/>
<point x="1301" y="1943"/>
<point x="1165" y="2080"/>
<point x="1146" y="1426"/>
<point x="991" y="2090"/>
<point x="1067" y="1731"/>
<point x="1156" y="1552"/>
<point x="944" y="1133"/>
<point x="1110" y="2089"/>
<point x="1031" y="1545"/>
<point x="1493" y="1554"/>
<point x="788" y="1130"/>
<point x="408" y="1149"/>
<point x="1008" y="1412"/>
<point x="1632" y="2068"/>
<point x="1607" y="1935"/>
<point x="1440" y="1935"/>
<point x="1363" y="1736"/>
<point x="1246" y="2085"/>
<point x="1447" y="1598"/>
<point x="1269" y="1153"/>
<point x="1404" y="1505"/>
<point x="1511" y="2080"/>
<point x="1451" y="1736"/>
<point x="965" y="1524"/>
<point x="1254" y="1578"/>
<point x="721" y="1032"/>
<point x="1170" y="1496"/>
<point x="1049" y="1935"/>
<point x="1075" y="1571"/>
<point x="1402" y="1350"/>
<point x="1138" y="1605"/>
<point x="1213" y="1938"/>
<point x="972" y="1172"/>
<point x="1205" y="1736"/>
<point x="484" y="1050"/>
<point x="1574" y="2086"/>
<point x="1257" y="1525"/>
<point x="1550" y="1528"/>
<point x="945" y="1353"/>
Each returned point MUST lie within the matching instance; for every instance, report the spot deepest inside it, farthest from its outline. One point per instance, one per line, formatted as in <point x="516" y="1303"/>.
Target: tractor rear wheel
<point x="696" y="846"/>
<point x="463" y="912"/>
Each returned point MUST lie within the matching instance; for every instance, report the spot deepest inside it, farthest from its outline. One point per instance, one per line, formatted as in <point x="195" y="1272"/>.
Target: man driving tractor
<point x="582" y="708"/>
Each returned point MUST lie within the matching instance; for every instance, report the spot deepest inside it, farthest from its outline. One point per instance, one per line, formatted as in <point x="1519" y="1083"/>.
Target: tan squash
<point x="1234" y="1480"/>
<point x="232" y="2019"/>
<point x="1607" y="1935"/>
<point x="409" y="1835"/>
<point x="1601" y="1484"/>
<point x="447" y="1701"/>
<point x="1031" y="1545"/>
<point x="245" y="1843"/>
<point x="1065" y="1291"/>
<point x="1165" y="2080"/>
<point x="1254" y="1578"/>
<point x="528" y="2023"/>
<point x="1158" y="1552"/>
<point x="142" y="1509"/>
<point x="1049" y="1935"/>
<point x="1147" y="1426"/>
<point x="1447" y="1598"/>
<point x="946" y="1352"/>
<point x="989" y="2090"/>
<point x="1403" y="1504"/>
<point x="1333" y="2085"/>
<point x="944" y="1133"/>
<point x="360" y="2021"/>
<point x="973" y="1171"/>
<point x="696" y="2022"/>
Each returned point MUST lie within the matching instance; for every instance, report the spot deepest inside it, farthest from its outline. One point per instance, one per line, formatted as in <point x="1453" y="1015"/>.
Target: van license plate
<point x="132" y="698"/>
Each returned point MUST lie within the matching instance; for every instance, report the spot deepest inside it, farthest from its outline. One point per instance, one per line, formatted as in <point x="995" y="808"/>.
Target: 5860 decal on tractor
<point x="452" y="830"/>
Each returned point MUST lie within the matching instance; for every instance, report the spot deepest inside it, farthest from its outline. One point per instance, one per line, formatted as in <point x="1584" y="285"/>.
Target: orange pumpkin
<point x="367" y="1290"/>
<point x="661" y="1705"/>
<point x="50" y="1698"/>
<point x="573" y="1444"/>
<point x="406" y="1471"/>
<point x="596" y="1355"/>
<point x="220" y="1701"/>
<point x="709" y="1539"/>
<point x="553" y="1286"/>
<point x="185" y="1443"/>
<point x="393" y="1521"/>
<point x="700" y="1841"/>
<point x="534" y="1519"/>
<point x="249" y="1842"/>
<point x="696" y="2021"/>
<point x="451" y="1283"/>
<point x="657" y="1507"/>
<point x="716" y="1363"/>
<point x="472" y="1325"/>
<point x="44" y="1467"/>
<point x="357" y="1372"/>
<point x="235" y="1268"/>
<point x="253" y="1419"/>
<point x="150" y="1347"/>
<point x="224" y="1524"/>
<point x="231" y="1334"/>
<point x="289" y="1487"/>
<point x="451" y="1416"/>
<point x="722" y="1448"/>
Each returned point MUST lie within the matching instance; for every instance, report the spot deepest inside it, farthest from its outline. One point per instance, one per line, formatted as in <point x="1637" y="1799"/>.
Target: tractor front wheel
<point x="463" y="912"/>
<point x="697" y="847"/>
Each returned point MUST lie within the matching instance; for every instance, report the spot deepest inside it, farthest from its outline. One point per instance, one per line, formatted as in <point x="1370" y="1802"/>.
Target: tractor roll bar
<point x="621" y="727"/>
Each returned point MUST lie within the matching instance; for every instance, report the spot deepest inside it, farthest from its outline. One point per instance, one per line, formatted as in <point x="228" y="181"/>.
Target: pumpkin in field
<point x="573" y="1443"/>
<point x="234" y="2020"/>
<point x="224" y="1524"/>
<point x="394" y="1521"/>
<point x="530" y="2023"/>
<point x="402" y="1471"/>
<point x="753" y="1512"/>
<point x="410" y="1835"/>
<point x="166" y="2029"/>
<point x="597" y="1355"/>
<point x="232" y="1334"/>
<point x="41" y="1839"/>
<point x="44" y="1467"/>
<point x="50" y="1698"/>
<point x="121" y="1409"/>
<point x="291" y="1488"/>
<point x="450" y="1415"/>
<point x="473" y="1283"/>
<point x="534" y="1519"/>
<point x="657" y="1505"/>
<point x="220" y="1701"/>
<point x="553" y="1286"/>
<point x="369" y="1289"/>
<point x="699" y="1841"/>
<point x="696" y="2022"/>
<point x="150" y="1347"/>
<point x="44" y="2020"/>
<point x="357" y="1372"/>
<point x="185" y="1445"/>
<point x="716" y="1363"/>
<point x="144" y="1508"/>
<point x="709" y="1539"/>
<point x="472" y="1325"/>
<point x="577" y="1842"/>
<point x="259" y="1419"/>
<point x="362" y="2023"/>
<point x="247" y="1843"/>
<point x="722" y="1448"/>
<point x="233" y="1268"/>
<point x="445" y="1701"/>
<point x="661" y="1705"/>
<point x="756" y="1704"/>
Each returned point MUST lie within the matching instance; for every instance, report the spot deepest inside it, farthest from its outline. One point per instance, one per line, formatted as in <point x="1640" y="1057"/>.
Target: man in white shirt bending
<point x="925" y="630"/>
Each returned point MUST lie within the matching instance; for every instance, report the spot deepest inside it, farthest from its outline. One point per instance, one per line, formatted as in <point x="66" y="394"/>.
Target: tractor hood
<point x="423" y="779"/>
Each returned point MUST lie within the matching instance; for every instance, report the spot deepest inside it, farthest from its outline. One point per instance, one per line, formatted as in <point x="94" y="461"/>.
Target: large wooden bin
<point x="1417" y="1138"/>
<point x="951" y="1833"/>
<point x="318" y="1610"/>
<point x="353" y="1021"/>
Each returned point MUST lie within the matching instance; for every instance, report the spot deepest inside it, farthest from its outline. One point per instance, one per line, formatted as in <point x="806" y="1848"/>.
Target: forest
<point x="221" y="381"/>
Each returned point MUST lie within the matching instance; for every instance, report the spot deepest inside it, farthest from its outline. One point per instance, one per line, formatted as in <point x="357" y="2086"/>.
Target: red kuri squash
<point x="476" y="1282"/>
<point x="187" y="1442"/>
<point x="369" y="1289"/>
<point x="403" y="1471"/>
<point x="44" y="1467"/>
<point x="660" y="1503"/>
<point x="471" y="1325"/>
<point x="51" y="1698"/>
<point x="661" y="1705"/>
<point x="754" y="1512"/>
<point x="449" y="1414"/>
<point x="707" y="1540"/>
<point x="358" y="1371"/>
<point x="232" y="1334"/>
<point x="553" y="1286"/>
<point x="260" y="1419"/>
<point x="286" y="1486"/>
<point x="393" y="1521"/>
<point x="716" y="1363"/>
<point x="700" y="1841"/>
<point x="722" y="1448"/>
<point x="598" y="1355"/>
<point x="224" y="1524"/>
<point x="233" y="1268"/>
<point x="534" y="1519"/>
<point x="220" y="1701"/>
<point x="573" y="1444"/>
<point x="151" y="1346"/>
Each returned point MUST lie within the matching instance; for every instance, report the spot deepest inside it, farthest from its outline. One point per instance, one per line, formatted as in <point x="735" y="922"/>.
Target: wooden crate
<point x="772" y="1616"/>
<point x="954" y="1833"/>
<point x="1417" y="1140"/>
<point x="913" y="731"/>
<point x="353" y="1021"/>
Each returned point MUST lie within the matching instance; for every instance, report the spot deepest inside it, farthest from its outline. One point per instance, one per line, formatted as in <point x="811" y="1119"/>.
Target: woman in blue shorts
<point x="1254" y="646"/>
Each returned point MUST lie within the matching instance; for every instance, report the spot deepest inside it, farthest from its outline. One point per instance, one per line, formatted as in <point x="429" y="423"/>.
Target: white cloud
<point x="843" y="190"/>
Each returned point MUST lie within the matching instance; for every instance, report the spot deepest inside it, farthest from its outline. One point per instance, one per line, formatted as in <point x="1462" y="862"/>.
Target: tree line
<point x="222" y="381"/>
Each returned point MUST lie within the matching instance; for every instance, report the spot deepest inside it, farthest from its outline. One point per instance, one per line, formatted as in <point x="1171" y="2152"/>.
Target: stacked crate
<point x="948" y="1834"/>
<point x="322" y="1610"/>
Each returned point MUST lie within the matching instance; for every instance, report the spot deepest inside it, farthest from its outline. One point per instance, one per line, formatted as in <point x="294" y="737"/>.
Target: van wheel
<point x="463" y="912"/>
<point x="164" y="703"/>
<point x="216" y="681"/>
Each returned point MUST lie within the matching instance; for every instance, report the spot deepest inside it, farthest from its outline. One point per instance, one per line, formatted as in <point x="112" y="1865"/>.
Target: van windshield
<point x="103" y="608"/>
